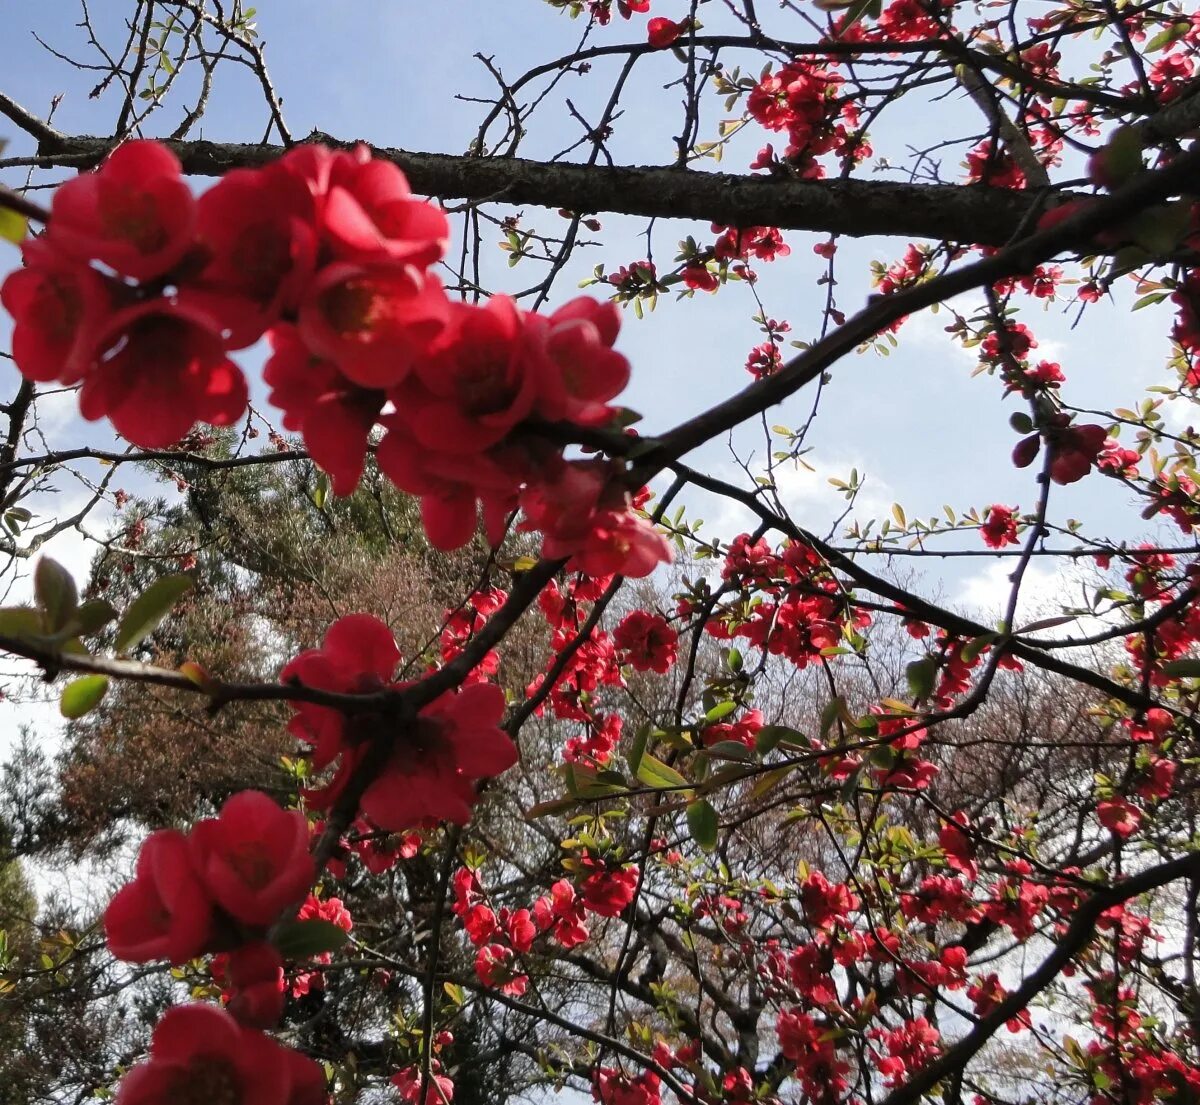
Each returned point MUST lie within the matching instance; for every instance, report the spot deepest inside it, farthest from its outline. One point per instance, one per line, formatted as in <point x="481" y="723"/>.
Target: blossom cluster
<point x="138" y="291"/>
<point x="433" y="765"/>
<point x="219" y="888"/>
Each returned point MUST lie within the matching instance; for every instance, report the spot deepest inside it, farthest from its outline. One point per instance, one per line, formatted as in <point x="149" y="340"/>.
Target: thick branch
<point x="858" y="208"/>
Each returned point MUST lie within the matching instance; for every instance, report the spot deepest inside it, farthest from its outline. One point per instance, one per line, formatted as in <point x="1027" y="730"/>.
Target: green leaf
<point x="730" y="750"/>
<point x="638" y="749"/>
<point x="321" y="492"/>
<point x="148" y="610"/>
<point x="13" y="227"/>
<point x="921" y="675"/>
<point x="1046" y="623"/>
<point x="92" y="616"/>
<point x="833" y="708"/>
<point x="972" y="649"/>
<point x="1019" y="421"/>
<point x="1182" y="669"/>
<point x="454" y="992"/>
<point x="55" y="592"/>
<point x="80" y="696"/>
<point x="770" y="737"/>
<point x="702" y="824"/>
<point x="21" y="621"/>
<point x="654" y="773"/>
<point x="719" y="711"/>
<point x="771" y="780"/>
<point x="304" y="939"/>
<point x="546" y="809"/>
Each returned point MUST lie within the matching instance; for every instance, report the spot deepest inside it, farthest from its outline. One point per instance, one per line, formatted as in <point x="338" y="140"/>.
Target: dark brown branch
<point x="857" y="208"/>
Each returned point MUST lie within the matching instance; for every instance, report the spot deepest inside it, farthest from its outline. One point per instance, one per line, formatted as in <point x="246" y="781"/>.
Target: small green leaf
<point x="1019" y="421"/>
<point x="81" y="696"/>
<point x="454" y="992"/>
<point x="770" y="737"/>
<point x="148" y="610"/>
<point x="304" y="939"/>
<point x="829" y="715"/>
<point x="771" y="780"/>
<point x="546" y="809"/>
<point x="972" y="649"/>
<point x="321" y="492"/>
<point x="1182" y="669"/>
<point x="638" y="749"/>
<point x="654" y="773"/>
<point x="21" y="621"/>
<point x="55" y="592"/>
<point x="921" y="675"/>
<point x="702" y="824"/>
<point x="13" y="227"/>
<point x="92" y="616"/>
<point x="730" y="750"/>
<point x="719" y="711"/>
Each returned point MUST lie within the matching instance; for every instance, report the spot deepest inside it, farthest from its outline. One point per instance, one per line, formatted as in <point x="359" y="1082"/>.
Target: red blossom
<point x="166" y="912"/>
<point x="661" y="33"/>
<point x="199" y="1055"/>
<point x="607" y="890"/>
<point x="253" y="858"/>
<point x="58" y="304"/>
<point x="647" y="641"/>
<point x="494" y="966"/>
<point x="252" y="977"/>
<point x="160" y="367"/>
<point x="134" y="213"/>
<point x="999" y="527"/>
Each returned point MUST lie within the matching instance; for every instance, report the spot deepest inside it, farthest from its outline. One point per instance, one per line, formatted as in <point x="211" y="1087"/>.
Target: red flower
<point x="648" y="642"/>
<point x="358" y="654"/>
<point x="607" y="891"/>
<point x="257" y="230"/>
<point x="562" y="913"/>
<point x="481" y="379"/>
<point x="999" y="527"/>
<point x="161" y="368"/>
<point x="434" y="764"/>
<point x="588" y="372"/>
<point x="253" y="858"/>
<point x="434" y="767"/>
<point x="134" y="213"/>
<point x="333" y="415"/>
<point x="253" y="977"/>
<point x="366" y="209"/>
<point x="373" y="320"/>
<point x="452" y="485"/>
<point x="661" y="32"/>
<point x="1076" y="449"/>
<point x="57" y="305"/>
<point x="699" y="278"/>
<point x="438" y="1090"/>
<point x="825" y="903"/>
<point x="1119" y="816"/>
<point x="199" y="1054"/>
<point x="494" y="964"/>
<point x="612" y="1087"/>
<point x="165" y="913"/>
